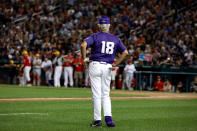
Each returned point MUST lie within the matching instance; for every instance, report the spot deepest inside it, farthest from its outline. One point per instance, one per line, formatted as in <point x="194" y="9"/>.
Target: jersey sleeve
<point x="121" y="48"/>
<point x="89" y="40"/>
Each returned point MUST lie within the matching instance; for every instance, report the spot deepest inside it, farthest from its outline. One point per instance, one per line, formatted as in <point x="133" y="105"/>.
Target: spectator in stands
<point x="158" y="84"/>
<point x="46" y="44"/>
<point x="194" y="85"/>
<point x="180" y="87"/>
<point x="146" y="83"/>
<point x="141" y="42"/>
<point x="137" y="23"/>
<point x="167" y="87"/>
<point x="77" y="20"/>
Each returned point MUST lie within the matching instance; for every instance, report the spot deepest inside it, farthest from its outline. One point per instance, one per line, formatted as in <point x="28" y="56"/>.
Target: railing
<point x="146" y="79"/>
<point x="23" y="18"/>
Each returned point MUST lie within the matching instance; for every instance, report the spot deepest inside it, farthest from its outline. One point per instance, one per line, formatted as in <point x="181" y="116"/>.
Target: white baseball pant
<point x="27" y="74"/>
<point x="48" y="75"/>
<point x="86" y="77"/>
<point x="57" y="76"/>
<point x="129" y="78"/>
<point x="68" y="73"/>
<point x="21" y="81"/>
<point x="100" y="78"/>
<point x="113" y="75"/>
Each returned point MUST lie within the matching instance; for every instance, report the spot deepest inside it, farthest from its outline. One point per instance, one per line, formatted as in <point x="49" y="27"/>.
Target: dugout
<point x="146" y="76"/>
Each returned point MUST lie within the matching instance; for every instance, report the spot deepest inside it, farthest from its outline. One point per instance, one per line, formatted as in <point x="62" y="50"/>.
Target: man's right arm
<point x="83" y="50"/>
<point x="83" y="53"/>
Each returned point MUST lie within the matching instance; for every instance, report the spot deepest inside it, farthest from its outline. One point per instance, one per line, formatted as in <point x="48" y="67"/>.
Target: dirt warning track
<point x="142" y="96"/>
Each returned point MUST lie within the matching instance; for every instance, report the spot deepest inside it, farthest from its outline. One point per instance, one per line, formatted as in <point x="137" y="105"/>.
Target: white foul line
<point x="27" y="113"/>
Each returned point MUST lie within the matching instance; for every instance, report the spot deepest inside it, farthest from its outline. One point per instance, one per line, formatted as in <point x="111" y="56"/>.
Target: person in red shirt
<point x="68" y="69"/>
<point x="141" y="40"/>
<point x="114" y="72"/>
<point x="78" y="74"/>
<point x="158" y="84"/>
<point x="119" y="82"/>
<point x="26" y="67"/>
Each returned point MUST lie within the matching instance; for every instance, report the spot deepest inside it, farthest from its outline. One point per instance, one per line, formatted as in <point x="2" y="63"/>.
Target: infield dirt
<point x="143" y="96"/>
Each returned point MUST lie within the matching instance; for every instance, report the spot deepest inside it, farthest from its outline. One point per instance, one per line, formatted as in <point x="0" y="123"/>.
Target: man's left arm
<point x="121" y="58"/>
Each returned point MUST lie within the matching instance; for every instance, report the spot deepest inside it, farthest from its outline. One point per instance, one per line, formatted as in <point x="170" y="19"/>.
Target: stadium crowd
<point x="154" y="32"/>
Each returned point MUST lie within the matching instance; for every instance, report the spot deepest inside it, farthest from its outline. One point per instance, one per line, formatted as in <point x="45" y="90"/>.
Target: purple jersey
<point x="104" y="47"/>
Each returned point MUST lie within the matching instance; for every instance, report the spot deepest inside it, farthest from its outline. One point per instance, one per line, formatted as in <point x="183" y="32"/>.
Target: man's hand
<point x="114" y="65"/>
<point x="86" y="62"/>
<point x="85" y="65"/>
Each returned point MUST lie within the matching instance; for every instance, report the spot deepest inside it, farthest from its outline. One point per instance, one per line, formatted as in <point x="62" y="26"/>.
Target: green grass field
<point x="13" y="91"/>
<point x="129" y="115"/>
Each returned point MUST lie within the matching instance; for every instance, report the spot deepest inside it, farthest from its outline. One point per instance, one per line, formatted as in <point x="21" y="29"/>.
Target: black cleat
<point x="96" y="124"/>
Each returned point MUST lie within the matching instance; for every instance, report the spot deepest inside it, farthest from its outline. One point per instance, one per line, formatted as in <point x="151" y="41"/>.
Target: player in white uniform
<point x="47" y="67"/>
<point x="36" y="70"/>
<point x="57" y="62"/>
<point x="103" y="50"/>
<point x="129" y="72"/>
<point x="87" y="72"/>
<point x="113" y="76"/>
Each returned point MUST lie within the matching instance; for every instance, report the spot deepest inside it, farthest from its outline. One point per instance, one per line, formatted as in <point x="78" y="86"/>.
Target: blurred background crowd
<point x="155" y="32"/>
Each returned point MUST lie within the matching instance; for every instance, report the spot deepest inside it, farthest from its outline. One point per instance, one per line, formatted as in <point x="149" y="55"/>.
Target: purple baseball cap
<point x="104" y="20"/>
